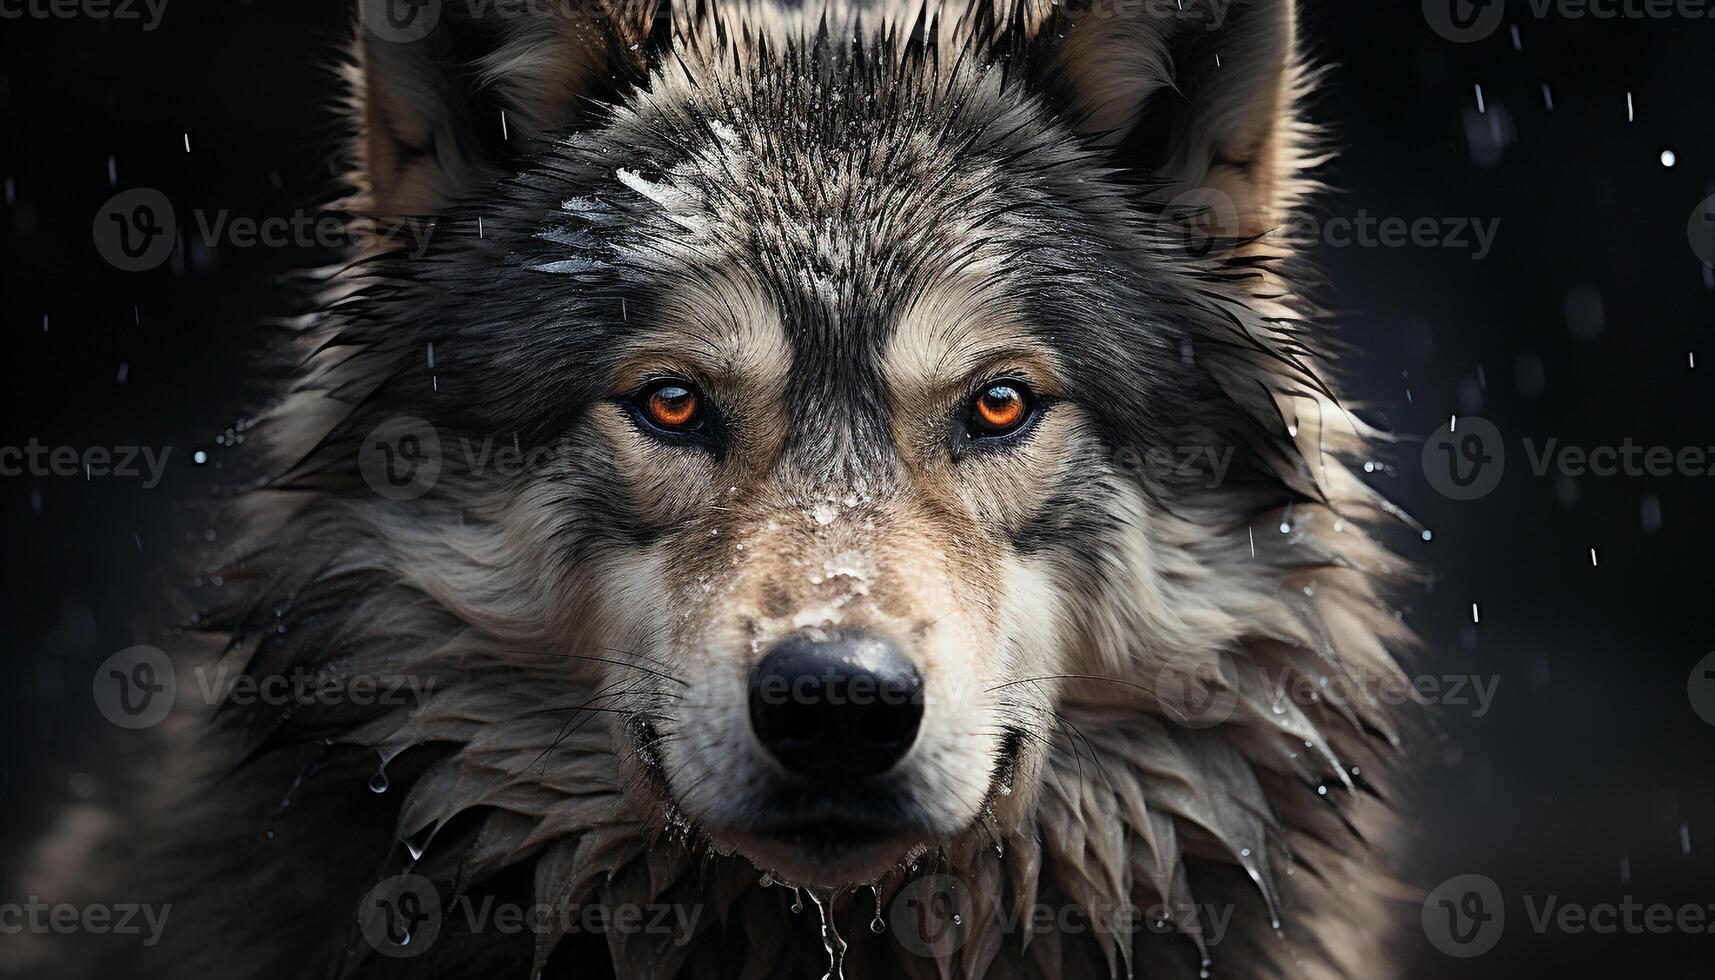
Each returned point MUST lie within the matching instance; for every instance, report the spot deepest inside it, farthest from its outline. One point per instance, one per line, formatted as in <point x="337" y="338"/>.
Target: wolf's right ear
<point x="447" y="93"/>
<point x="1198" y="94"/>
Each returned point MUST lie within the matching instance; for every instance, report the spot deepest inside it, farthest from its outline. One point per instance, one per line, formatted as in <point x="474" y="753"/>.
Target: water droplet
<point x="378" y="782"/>
<point x="1669" y="158"/>
<point x="831" y="940"/>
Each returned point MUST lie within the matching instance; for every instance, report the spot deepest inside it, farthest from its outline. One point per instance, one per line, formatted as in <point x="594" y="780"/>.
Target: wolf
<point x="746" y="477"/>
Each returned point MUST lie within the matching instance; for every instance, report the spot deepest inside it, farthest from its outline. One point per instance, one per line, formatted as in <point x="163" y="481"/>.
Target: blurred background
<point x="1583" y="145"/>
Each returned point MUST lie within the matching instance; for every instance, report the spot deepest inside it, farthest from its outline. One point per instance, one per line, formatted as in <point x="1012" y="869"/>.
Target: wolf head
<point x="868" y="439"/>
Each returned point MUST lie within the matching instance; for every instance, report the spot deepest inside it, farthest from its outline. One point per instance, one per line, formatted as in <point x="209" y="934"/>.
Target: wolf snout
<point x="824" y="702"/>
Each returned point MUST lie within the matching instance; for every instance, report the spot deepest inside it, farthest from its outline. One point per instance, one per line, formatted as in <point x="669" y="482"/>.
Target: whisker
<point x="1079" y="677"/>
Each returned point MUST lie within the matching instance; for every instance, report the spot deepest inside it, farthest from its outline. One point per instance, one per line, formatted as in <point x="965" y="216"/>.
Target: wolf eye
<point x="673" y="405"/>
<point x="670" y="407"/>
<point x="1000" y="408"/>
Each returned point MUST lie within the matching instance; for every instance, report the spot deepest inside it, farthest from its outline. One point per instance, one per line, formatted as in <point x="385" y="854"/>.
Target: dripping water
<point x="831" y="940"/>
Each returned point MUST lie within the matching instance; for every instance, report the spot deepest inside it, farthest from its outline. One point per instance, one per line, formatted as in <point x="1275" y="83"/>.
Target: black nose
<point x="836" y="702"/>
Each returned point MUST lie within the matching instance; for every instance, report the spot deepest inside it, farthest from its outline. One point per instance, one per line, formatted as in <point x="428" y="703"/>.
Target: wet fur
<point x="530" y="773"/>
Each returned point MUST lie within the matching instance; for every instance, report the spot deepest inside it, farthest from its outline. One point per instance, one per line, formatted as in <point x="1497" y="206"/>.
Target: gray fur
<point x="835" y="182"/>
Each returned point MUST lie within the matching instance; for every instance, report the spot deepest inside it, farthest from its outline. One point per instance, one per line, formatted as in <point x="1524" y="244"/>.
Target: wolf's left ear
<point x="1199" y="93"/>
<point x="447" y="93"/>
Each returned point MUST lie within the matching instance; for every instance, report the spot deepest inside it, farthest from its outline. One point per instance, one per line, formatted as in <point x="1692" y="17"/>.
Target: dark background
<point x="1576" y="784"/>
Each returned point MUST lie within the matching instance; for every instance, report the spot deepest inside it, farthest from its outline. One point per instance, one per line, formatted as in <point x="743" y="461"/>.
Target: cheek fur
<point x="662" y="484"/>
<point x="1006" y="488"/>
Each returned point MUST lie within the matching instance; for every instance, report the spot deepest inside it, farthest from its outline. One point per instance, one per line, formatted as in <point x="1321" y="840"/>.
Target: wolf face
<point x="916" y="482"/>
<point x="848" y="342"/>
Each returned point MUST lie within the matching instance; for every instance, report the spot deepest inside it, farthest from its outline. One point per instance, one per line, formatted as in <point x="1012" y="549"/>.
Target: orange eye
<point x="671" y="405"/>
<point x="1000" y="408"/>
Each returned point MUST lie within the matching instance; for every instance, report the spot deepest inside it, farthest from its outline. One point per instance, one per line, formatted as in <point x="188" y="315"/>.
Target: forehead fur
<point x="836" y="191"/>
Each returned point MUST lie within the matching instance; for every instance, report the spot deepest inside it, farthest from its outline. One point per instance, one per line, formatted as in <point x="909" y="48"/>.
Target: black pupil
<point x="999" y="401"/>
<point x="674" y="400"/>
